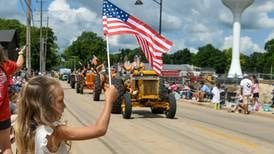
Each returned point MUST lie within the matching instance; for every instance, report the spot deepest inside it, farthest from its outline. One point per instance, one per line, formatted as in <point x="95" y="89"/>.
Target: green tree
<point x="85" y="46"/>
<point x="182" y="56"/>
<point x="167" y="59"/>
<point x="53" y="59"/>
<point x="254" y="62"/>
<point x="209" y="56"/>
<point x="269" y="56"/>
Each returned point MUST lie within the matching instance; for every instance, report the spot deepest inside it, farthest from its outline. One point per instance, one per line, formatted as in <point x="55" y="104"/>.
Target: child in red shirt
<point x="7" y="68"/>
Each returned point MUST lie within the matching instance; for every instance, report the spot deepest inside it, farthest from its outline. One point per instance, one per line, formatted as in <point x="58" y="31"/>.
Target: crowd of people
<point x="245" y="98"/>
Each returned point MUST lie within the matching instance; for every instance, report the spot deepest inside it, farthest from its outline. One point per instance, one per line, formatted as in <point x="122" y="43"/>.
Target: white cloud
<point x="8" y="9"/>
<point x="68" y="23"/>
<point x="173" y="22"/>
<point x="189" y="24"/>
<point x="270" y="37"/>
<point x="247" y="46"/>
<point x="122" y="41"/>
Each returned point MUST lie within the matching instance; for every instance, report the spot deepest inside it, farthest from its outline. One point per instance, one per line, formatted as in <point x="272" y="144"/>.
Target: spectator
<point x="173" y="87"/>
<point x="186" y="92"/>
<point x="7" y="68"/>
<point x="206" y="93"/>
<point x="216" y="96"/>
<point x="246" y="91"/>
<point x="238" y="102"/>
<point x="255" y="93"/>
<point x="13" y="99"/>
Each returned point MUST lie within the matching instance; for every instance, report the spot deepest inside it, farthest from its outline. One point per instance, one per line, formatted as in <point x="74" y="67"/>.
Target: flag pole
<point x="109" y="74"/>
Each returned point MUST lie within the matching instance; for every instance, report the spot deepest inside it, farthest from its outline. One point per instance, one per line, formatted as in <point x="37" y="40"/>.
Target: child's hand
<point x="21" y="51"/>
<point x="111" y="94"/>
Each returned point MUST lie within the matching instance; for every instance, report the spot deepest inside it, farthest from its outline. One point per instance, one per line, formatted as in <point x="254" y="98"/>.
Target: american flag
<point x="117" y="21"/>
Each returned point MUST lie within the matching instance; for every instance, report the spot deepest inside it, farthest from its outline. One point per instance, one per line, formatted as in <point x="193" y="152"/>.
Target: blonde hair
<point x="35" y="108"/>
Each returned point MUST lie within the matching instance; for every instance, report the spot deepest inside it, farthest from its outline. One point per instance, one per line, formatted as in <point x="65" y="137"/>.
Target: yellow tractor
<point x="146" y="89"/>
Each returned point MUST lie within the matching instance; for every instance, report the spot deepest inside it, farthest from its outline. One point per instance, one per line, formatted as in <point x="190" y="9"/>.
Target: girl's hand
<point x="21" y="51"/>
<point x="111" y="94"/>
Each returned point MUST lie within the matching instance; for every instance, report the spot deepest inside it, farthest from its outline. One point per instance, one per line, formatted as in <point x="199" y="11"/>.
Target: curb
<point x="207" y="105"/>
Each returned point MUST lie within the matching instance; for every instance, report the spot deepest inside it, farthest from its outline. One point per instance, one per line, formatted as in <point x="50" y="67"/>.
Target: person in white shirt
<point x="216" y="96"/>
<point x="246" y="91"/>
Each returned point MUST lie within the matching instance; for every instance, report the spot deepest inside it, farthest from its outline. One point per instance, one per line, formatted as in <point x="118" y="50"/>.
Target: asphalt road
<point x="195" y="129"/>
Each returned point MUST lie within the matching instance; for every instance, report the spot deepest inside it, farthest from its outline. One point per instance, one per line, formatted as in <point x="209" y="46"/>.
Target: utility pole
<point x="139" y="2"/>
<point x="45" y="46"/>
<point x="271" y="72"/>
<point x="160" y="20"/>
<point x="28" y="38"/>
<point x="41" y="38"/>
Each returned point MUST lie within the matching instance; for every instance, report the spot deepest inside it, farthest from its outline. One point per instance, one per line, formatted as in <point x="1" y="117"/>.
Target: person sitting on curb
<point x="238" y="103"/>
<point x="204" y="92"/>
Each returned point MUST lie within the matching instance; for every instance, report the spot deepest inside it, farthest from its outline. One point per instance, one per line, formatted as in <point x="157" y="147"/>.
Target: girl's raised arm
<point x="92" y="131"/>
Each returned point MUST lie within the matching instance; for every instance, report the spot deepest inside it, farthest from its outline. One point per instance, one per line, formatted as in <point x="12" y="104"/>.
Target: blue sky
<point x="189" y="24"/>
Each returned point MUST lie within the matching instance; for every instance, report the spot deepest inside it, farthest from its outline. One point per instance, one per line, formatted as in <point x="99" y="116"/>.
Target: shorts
<point x="5" y="124"/>
<point x="246" y="99"/>
<point x="256" y="95"/>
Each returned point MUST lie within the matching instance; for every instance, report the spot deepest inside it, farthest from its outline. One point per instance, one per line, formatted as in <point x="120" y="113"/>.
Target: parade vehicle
<point x="145" y="89"/>
<point x="72" y="79"/>
<point x="92" y="79"/>
<point x="64" y="73"/>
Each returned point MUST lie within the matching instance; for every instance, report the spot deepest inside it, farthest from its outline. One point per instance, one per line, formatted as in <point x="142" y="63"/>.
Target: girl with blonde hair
<point x="38" y="127"/>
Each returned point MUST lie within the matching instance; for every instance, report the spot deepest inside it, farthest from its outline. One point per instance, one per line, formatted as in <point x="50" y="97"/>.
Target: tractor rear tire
<point x="172" y="107"/>
<point x="72" y="84"/>
<point x="128" y="106"/>
<point x="97" y="88"/>
<point x="72" y="81"/>
<point x="119" y="85"/>
<point x="81" y="89"/>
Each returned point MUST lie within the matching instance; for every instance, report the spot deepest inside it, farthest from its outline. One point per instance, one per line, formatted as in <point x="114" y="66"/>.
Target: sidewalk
<point x="210" y="105"/>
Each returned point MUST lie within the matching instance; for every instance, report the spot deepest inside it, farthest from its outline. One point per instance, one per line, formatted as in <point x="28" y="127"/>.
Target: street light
<point x="139" y="2"/>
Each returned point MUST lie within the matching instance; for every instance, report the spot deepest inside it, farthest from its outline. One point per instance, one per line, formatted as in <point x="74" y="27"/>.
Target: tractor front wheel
<point x="170" y="113"/>
<point x="97" y="89"/>
<point x="126" y="106"/>
<point x="119" y="85"/>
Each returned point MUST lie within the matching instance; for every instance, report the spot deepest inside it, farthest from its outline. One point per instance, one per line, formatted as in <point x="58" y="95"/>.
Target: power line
<point x="31" y="12"/>
<point x="22" y="6"/>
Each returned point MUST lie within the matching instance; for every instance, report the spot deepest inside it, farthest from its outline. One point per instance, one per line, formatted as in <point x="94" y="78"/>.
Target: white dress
<point x="216" y="95"/>
<point x="41" y="141"/>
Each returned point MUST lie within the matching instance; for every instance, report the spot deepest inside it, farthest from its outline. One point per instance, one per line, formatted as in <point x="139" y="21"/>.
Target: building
<point x="9" y="40"/>
<point x="178" y="73"/>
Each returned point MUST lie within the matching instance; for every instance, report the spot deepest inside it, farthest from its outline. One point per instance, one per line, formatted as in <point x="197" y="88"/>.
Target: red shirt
<point x="9" y="67"/>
